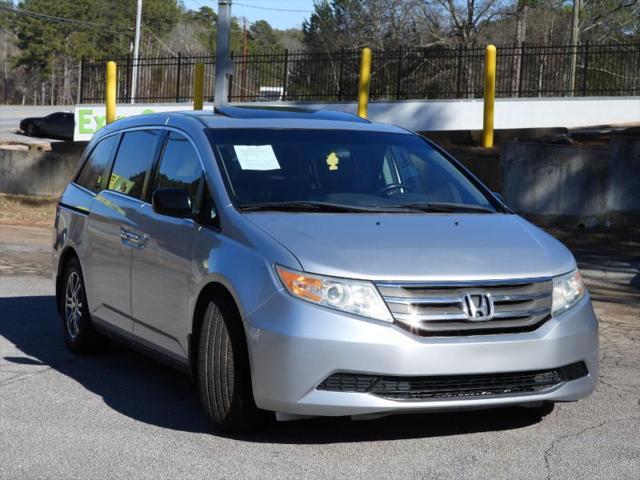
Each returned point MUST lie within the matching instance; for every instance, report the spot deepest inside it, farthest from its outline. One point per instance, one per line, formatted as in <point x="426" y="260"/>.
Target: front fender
<point x="245" y="271"/>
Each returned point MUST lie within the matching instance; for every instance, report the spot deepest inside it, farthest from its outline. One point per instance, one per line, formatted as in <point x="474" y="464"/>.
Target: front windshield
<point x="272" y="168"/>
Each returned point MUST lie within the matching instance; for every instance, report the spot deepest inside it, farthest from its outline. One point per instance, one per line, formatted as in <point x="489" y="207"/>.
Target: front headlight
<point x="352" y="296"/>
<point x="568" y="290"/>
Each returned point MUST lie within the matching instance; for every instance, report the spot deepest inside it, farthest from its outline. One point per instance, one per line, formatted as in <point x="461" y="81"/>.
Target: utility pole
<point x="244" y="55"/>
<point x="223" y="67"/>
<point x="575" y="31"/>
<point x="136" y="51"/>
<point x="244" y="35"/>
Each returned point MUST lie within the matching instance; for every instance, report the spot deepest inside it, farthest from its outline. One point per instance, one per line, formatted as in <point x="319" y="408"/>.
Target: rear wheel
<point x="79" y="334"/>
<point x="224" y="376"/>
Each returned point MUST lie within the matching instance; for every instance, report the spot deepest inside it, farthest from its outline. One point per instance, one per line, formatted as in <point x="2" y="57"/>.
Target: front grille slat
<point x="438" y="309"/>
<point x="519" y="298"/>
<point x="423" y="300"/>
<point x="453" y="386"/>
<point x="431" y="317"/>
<point x="520" y="313"/>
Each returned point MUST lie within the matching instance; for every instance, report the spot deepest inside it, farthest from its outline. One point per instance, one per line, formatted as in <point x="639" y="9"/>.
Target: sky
<point x="270" y="10"/>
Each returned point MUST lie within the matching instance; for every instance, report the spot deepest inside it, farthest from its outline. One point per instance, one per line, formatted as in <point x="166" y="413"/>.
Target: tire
<point x="32" y="130"/>
<point x="79" y="334"/>
<point x="224" y="376"/>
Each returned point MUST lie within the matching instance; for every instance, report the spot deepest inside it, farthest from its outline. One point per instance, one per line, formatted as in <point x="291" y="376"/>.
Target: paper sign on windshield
<point x="256" y="157"/>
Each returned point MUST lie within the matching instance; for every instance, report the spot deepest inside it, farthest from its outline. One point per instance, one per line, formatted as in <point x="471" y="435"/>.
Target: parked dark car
<point x="55" y="125"/>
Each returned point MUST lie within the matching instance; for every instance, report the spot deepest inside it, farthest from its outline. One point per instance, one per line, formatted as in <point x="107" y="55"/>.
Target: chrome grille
<point x="439" y="309"/>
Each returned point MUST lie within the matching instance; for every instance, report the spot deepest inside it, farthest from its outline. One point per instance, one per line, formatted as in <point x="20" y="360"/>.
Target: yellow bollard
<point x="489" y="95"/>
<point x="365" y="80"/>
<point x="198" y="86"/>
<point x="111" y="92"/>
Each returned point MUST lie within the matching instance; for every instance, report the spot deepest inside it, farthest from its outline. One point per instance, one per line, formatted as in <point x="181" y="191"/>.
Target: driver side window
<point x="180" y="168"/>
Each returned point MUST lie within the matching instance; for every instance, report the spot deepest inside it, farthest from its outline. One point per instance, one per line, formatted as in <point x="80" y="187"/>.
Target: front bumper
<point x="295" y="345"/>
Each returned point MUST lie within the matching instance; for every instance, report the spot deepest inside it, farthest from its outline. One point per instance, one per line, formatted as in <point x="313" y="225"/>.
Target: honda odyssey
<point x="300" y="263"/>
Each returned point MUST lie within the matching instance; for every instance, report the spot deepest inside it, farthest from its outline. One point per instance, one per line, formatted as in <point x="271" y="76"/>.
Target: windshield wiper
<point x="311" y="206"/>
<point x="447" y="207"/>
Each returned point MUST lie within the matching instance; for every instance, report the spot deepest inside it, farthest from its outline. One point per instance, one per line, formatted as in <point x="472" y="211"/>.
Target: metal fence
<point x="416" y="73"/>
<point x="160" y="79"/>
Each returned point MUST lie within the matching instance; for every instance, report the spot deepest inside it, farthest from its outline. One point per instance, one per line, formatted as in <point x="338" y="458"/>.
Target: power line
<point x="273" y="9"/>
<point x="159" y="41"/>
<point x="53" y="18"/>
<point x="201" y="4"/>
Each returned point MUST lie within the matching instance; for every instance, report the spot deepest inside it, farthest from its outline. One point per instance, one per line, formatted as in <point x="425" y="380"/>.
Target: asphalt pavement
<point x="121" y="415"/>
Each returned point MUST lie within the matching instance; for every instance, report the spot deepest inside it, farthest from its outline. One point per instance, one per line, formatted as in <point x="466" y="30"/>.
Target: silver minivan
<point x="303" y="263"/>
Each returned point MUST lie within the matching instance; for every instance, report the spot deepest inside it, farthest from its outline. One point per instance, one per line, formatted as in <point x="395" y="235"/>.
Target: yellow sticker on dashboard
<point x="333" y="161"/>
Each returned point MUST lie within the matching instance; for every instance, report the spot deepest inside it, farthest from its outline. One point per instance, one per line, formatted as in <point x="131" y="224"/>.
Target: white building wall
<point x="433" y="115"/>
<point x="430" y="115"/>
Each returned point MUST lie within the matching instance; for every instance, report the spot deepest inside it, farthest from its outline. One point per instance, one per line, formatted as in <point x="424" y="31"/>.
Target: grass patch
<point x="27" y="210"/>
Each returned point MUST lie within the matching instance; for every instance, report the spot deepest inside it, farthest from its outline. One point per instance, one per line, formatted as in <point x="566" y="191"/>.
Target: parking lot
<point x="120" y="415"/>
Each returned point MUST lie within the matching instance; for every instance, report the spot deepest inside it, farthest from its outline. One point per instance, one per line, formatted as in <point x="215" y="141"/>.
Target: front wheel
<point x="224" y="376"/>
<point x="32" y="130"/>
<point x="79" y="334"/>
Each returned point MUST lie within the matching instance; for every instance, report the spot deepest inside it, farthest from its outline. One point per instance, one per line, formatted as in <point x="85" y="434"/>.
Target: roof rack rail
<point x="287" y="112"/>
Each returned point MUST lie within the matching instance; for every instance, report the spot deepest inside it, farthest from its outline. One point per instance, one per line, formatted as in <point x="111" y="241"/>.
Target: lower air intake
<point x="454" y="386"/>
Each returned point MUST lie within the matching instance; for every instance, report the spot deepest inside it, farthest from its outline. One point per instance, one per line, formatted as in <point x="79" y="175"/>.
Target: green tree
<point x="49" y="49"/>
<point x="330" y="25"/>
<point x="263" y="36"/>
<point x="195" y="33"/>
<point x="353" y="24"/>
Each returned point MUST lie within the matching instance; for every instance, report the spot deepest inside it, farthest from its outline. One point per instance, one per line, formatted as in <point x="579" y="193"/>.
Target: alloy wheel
<point x="73" y="304"/>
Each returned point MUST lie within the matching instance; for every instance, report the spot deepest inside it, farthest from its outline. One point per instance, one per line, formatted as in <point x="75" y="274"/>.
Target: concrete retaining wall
<point x="38" y="173"/>
<point x="623" y="194"/>
<point x="591" y="185"/>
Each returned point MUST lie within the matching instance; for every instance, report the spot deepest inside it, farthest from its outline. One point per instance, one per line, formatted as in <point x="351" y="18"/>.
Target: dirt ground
<point x="27" y="210"/>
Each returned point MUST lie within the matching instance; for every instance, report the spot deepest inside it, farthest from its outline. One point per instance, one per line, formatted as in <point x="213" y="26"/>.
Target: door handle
<point x="134" y="238"/>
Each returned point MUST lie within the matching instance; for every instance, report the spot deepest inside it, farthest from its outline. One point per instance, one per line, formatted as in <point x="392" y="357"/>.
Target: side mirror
<point x="174" y="202"/>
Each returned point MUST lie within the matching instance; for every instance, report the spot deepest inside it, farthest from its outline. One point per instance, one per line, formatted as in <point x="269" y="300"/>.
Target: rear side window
<point x="93" y="173"/>
<point x="133" y="162"/>
<point x="180" y="167"/>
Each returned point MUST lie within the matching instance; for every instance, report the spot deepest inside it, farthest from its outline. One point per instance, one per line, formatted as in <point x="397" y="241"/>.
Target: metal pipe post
<point x="489" y="95"/>
<point x="110" y="99"/>
<point x="365" y="80"/>
<point x="198" y="86"/>
<point x="221" y="89"/>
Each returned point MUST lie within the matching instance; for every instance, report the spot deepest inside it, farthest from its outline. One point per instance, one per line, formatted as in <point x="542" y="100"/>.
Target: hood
<point x="417" y="247"/>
